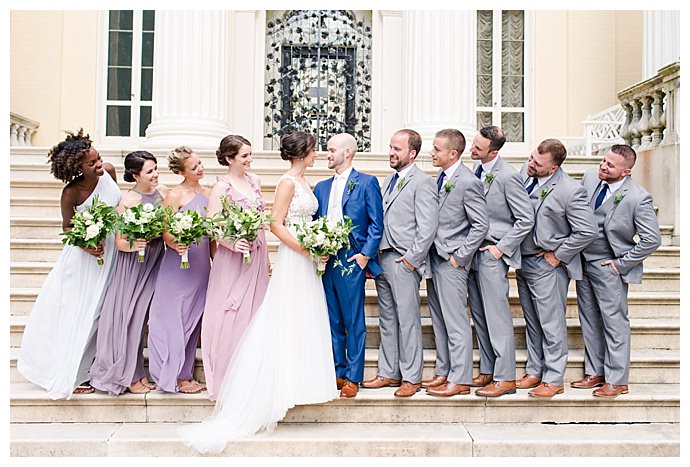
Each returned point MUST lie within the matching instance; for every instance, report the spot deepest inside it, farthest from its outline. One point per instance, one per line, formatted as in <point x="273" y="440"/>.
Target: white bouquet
<point x="235" y="222"/>
<point x="322" y="237"/>
<point x="142" y="222"/>
<point x="187" y="227"/>
<point x="91" y="226"/>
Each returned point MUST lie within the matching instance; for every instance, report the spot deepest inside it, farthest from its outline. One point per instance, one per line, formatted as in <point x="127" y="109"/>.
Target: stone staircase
<point x="642" y="423"/>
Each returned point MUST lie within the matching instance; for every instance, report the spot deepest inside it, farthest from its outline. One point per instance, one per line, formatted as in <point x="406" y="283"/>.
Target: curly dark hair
<point x="296" y="145"/>
<point x="65" y="157"/>
<point x="229" y="147"/>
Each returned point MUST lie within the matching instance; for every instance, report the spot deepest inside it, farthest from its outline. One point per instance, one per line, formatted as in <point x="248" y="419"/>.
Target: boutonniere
<point x="351" y="185"/>
<point x="448" y="186"/>
<point x="490" y="178"/>
<point x="400" y="184"/>
<point x="544" y="192"/>
<point x="617" y="199"/>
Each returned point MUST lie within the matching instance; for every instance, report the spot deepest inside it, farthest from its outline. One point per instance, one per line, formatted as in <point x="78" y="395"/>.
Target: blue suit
<point x="362" y="203"/>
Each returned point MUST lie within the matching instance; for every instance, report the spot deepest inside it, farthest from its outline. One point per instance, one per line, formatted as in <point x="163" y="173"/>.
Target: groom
<point x="357" y="196"/>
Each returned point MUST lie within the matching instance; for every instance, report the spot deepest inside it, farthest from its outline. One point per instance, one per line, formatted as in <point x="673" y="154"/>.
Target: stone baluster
<point x="636" y="134"/>
<point x="644" y="125"/>
<point x="657" y="123"/>
<point x="625" y="131"/>
<point x="670" y="115"/>
<point x="14" y="128"/>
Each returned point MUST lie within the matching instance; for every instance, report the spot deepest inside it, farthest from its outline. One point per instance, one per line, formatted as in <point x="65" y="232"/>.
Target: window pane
<point x="484" y="93"/>
<point x="117" y="120"/>
<point x="147" y="84"/>
<point x="485" y="25"/>
<point x="513" y="25"/>
<point x="513" y="124"/>
<point x="484" y="58"/>
<point x="119" y="84"/>
<point x="512" y="92"/>
<point x="121" y="19"/>
<point x="147" y="49"/>
<point x="149" y="20"/>
<point x="483" y="119"/>
<point x="144" y="120"/>
<point x="120" y="49"/>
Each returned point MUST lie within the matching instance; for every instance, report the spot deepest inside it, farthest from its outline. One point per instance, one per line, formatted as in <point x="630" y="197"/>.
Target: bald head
<point x="341" y="149"/>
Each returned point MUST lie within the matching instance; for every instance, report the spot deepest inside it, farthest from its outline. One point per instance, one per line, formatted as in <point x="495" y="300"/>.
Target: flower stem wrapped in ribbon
<point x="234" y="222"/>
<point x="91" y="226"/>
<point x="187" y="227"/>
<point x="323" y="237"/>
<point x="143" y="222"/>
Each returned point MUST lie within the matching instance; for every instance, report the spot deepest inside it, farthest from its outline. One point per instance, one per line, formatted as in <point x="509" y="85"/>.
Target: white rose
<point x="148" y="207"/>
<point x="92" y="231"/>
<point x="129" y="217"/>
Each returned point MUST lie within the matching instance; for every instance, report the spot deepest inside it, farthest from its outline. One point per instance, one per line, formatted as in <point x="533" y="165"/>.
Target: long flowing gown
<point x="176" y="309"/>
<point x="235" y="291"/>
<point x="59" y="340"/>
<point x="119" y="349"/>
<point x="285" y="357"/>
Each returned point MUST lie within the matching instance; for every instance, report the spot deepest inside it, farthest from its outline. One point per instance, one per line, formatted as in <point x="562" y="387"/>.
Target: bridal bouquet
<point x="235" y="222"/>
<point x="187" y="227"/>
<point x="323" y="237"/>
<point x="143" y="221"/>
<point x="91" y="226"/>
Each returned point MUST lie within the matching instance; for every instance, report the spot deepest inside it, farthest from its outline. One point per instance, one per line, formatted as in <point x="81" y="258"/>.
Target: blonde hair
<point x="177" y="157"/>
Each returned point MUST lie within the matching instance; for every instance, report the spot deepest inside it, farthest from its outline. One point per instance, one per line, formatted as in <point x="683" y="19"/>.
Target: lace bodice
<point x="302" y="206"/>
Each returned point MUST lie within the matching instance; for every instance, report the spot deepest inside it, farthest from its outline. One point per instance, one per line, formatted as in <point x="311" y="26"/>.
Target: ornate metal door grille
<point x="318" y="77"/>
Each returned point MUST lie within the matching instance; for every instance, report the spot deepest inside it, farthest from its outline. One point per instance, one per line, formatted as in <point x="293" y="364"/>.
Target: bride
<point x="285" y="357"/>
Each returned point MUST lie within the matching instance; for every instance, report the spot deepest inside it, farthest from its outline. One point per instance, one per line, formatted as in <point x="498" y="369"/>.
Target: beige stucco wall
<point x="53" y="70"/>
<point x="580" y="60"/>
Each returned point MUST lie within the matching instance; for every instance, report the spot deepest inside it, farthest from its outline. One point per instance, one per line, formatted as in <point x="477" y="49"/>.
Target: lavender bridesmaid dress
<point x="176" y="309"/>
<point x="235" y="291"/>
<point x="119" y="349"/>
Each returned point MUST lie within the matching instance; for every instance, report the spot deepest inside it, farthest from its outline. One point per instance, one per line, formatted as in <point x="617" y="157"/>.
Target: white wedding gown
<point x="285" y="357"/>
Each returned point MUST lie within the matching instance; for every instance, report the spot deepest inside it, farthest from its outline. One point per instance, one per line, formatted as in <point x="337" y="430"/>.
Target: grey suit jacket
<point x="511" y="216"/>
<point x="410" y="216"/>
<point x="633" y="214"/>
<point x="563" y="220"/>
<point x="462" y="219"/>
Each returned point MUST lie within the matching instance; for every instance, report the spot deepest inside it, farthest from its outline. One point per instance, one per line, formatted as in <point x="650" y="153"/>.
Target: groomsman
<point x="462" y="225"/>
<point x="410" y="218"/>
<point x="357" y="196"/>
<point x="622" y="209"/>
<point x="511" y="218"/>
<point x="563" y="225"/>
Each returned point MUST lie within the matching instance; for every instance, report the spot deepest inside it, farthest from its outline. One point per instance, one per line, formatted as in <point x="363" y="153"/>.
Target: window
<point x="501" y="71"/>
<point x="129" y="87"/>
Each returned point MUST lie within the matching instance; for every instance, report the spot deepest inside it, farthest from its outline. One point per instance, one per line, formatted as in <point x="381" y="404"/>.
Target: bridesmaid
<point x="119" y="364"/>
<point x="235" y="289"/>
<point x="180" y="294"/>
<point x="59" y="340"/>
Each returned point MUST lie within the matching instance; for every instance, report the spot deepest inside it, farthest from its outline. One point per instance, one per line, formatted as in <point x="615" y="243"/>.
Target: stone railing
<point x="652" y="110"/>
<point x="21" y="130"/>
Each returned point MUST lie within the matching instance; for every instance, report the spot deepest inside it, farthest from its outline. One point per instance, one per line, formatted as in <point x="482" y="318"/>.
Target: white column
<point x="661" y="40"/>
<point x="440" y="77"/>
<point x="190" y="100"/>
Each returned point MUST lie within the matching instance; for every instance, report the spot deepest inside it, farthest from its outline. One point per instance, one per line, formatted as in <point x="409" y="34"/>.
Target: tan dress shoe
<point x="380" y="382"/>
<point x="448" y="389"/>
<point x="481" y="380"/>
<point x="588" y="382"/>
<point x="528" y="382"/>
<point x="610" y="390"/>
<point x="545" y="390"/>
<point x="349" y="389"/>
<point x="496" y="389"/>
<point x="339" y="382"/>
<point x="435" y="381"/>
<point x="407" y="389"/>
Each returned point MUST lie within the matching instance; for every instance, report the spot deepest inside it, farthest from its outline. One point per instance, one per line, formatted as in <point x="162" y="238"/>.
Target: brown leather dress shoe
<point x="496" y="389"/>
<point x="545" y="390"/>
<point x="481" y="380"/>
<point x="349" y="389"/>
<point x="380" y="382"/>
<point x="588" y="382"/>
<point x="407" y="389"/>
<point x="339" y="382"/>
<point x="528" y="382"/>
<point x="610" y="390"/>
<point x="448" y="389"/>
<point x="435" y="381"/>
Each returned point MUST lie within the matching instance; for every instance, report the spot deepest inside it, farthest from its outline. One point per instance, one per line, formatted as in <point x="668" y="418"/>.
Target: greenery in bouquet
<point x="235" y="222"/>
<point x="187" y="227"/>
<point x="143" y="222"/>
<point x="323" y="237"/>
<point x="91" y="226"/>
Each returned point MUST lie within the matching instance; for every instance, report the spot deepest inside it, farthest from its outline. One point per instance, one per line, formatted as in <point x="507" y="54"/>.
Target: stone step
<point x="33" y="273"/>
<point x="646" y="403"/>
<point x="357" y="440"/>
<point x="646" y="366"/>
<point x="640" y="304"/>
